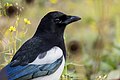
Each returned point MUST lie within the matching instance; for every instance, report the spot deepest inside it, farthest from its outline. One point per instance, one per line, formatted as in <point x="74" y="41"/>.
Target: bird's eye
<point x="61" y="19"/>
<point x="57" y="20"/>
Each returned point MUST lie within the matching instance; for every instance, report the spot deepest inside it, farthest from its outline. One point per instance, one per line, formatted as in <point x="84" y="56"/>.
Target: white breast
<point x="52" y="55"/>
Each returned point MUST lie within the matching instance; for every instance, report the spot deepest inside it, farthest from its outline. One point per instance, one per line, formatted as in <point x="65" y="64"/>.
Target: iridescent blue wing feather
<point x="29" y="71"/>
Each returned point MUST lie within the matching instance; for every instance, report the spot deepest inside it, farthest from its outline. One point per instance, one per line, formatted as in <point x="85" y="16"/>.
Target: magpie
<point x="43" y="56"/>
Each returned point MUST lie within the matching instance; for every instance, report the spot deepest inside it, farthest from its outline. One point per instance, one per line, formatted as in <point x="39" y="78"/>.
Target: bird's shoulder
<point x="32" y="43"/>
<point x="29" y="51"/>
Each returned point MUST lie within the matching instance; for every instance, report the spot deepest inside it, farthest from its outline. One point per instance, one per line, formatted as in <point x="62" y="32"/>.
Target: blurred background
<point x="93" y="44"/>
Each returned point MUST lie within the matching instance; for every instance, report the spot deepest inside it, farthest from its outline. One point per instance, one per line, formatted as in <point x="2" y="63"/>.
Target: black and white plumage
<point x="43" y="56"/>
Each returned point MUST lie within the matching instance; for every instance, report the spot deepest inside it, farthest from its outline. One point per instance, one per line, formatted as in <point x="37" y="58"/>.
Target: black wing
<point x="30" y="50"/>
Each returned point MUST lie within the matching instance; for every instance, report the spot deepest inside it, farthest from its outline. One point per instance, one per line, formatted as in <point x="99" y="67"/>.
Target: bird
<point x="43" y="56"/>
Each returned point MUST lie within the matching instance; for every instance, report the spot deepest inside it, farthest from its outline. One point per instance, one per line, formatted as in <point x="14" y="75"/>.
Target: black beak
<point x="71" y="19"/>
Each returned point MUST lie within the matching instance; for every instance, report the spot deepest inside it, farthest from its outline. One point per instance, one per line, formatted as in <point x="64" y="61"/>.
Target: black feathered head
<point x="55" y="23"/>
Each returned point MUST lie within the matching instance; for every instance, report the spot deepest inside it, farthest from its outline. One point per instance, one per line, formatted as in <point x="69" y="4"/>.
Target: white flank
<point x="56" y="75"/>
<point x="52" y="55"/>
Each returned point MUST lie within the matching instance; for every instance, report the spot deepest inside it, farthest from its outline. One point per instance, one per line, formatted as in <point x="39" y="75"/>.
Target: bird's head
<point x="55" y="22"/>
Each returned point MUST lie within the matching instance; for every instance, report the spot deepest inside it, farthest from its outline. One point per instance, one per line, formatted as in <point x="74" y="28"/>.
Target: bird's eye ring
<point x="57" y="20"/>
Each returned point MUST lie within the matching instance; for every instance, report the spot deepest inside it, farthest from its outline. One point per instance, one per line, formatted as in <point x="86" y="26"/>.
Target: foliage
<point x="93" y="45"/>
